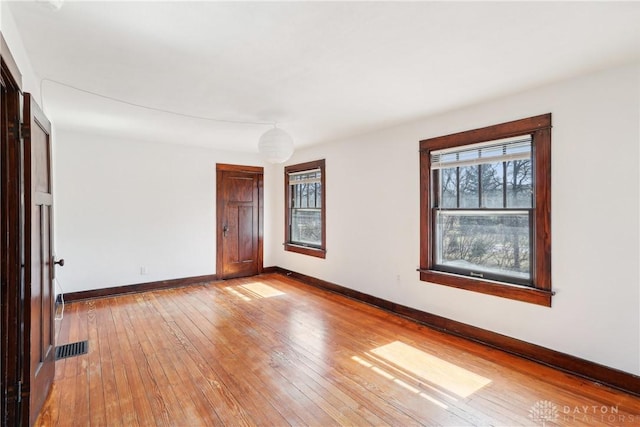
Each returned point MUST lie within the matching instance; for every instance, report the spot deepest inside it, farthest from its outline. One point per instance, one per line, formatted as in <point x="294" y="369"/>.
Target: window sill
<point x="305" y="250"/>
<point x="515" y="292"/>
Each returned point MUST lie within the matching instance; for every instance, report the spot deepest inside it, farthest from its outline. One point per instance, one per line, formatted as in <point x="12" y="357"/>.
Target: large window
<point x="305" y="208"/>
<point x="485" y="210"/>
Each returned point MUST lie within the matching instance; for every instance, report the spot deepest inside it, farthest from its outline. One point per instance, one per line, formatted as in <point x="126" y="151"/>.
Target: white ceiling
<point x="322" y="70"/>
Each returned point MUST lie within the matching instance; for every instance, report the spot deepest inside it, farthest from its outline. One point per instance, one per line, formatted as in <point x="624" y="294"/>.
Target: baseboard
<point x="592" y="371"/>
<point x="136" y="288"/>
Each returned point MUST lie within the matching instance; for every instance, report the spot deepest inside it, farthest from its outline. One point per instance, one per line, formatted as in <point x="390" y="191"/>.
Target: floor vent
<point x="73" y="349"/>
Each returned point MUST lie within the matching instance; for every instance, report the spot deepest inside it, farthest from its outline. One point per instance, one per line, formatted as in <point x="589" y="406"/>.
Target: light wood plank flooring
<point x="272" y="351"/>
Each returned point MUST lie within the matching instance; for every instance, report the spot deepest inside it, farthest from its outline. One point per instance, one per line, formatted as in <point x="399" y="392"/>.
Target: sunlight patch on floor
<point x="253" y="290"/>
<point x="262" y="290"/>
<point x="236" y="293"/>
<point x="307" y="329"/>
<point x="407" y="375"/>
<point x="398" y="381"/>
<point x="449" y="376"/>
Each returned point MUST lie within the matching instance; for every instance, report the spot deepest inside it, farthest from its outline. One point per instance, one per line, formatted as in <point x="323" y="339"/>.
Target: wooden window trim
<point x="540" y="129"/>
<point x="288" y="245"/>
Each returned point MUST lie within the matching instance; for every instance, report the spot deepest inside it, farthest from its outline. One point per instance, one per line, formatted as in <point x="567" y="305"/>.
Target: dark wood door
<point x="239" y="221"/>
<point x="39" y="267"/>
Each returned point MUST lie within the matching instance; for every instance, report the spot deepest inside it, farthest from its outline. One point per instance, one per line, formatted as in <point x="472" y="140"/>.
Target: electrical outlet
<point x="143" y="270"/>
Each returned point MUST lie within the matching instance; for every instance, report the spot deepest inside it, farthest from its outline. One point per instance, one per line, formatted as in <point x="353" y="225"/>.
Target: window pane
<point x="306" y="195"/>
<point x="467" y="155"/>
<point x="448" y="188"/>
<point x="519" y="184"/>
<point x="492" y="185"/>
<point x="469" y="196"/>
<point x="318" y="195"/>
<point x="306" y="226"/>
<point x="493" y="242"/>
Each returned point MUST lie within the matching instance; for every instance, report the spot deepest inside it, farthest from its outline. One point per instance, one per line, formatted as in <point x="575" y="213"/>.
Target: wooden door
<point x="39" y="267"/>
<point x="239" y="220"/>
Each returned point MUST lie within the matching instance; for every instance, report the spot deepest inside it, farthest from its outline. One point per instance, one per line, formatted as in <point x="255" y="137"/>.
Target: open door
<point x="39" y="345"/>
<point x="239" y="220"/>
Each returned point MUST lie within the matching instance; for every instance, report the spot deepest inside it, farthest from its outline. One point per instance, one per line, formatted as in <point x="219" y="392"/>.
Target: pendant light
<point x="275" y="145"/>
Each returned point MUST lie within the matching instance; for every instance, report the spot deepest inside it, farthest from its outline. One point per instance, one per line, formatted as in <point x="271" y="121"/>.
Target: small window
<point x="486" y="210"/>
<point x="305" y="208"/>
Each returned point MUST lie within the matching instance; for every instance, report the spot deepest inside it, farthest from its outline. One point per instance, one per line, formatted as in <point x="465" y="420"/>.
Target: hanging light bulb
<point x="275" y="146"/>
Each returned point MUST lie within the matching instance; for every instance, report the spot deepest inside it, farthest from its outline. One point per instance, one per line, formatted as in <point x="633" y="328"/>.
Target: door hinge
<point x="20" y="129"/>
<point x="15" y="128"/>
<point x="24" y="130"/>
<point x="14" y="393"/>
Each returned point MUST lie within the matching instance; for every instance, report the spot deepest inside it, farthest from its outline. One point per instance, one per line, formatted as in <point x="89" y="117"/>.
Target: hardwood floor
<point x="272" y="351"/>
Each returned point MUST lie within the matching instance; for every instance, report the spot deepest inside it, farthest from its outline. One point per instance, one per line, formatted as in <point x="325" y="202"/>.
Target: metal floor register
<point x="72" y="349"/>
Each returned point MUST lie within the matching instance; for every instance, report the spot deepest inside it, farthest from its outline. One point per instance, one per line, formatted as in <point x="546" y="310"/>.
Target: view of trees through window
<point x="483" y="211"/>
<point x="306" y="208"/>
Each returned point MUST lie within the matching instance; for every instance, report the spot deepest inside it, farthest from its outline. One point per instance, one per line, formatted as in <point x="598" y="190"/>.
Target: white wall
<point x="373" y="219"/>
<point x="122" y="205"/>
<point x="30" y="81"/>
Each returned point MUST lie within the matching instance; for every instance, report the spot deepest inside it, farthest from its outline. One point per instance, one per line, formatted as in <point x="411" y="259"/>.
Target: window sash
<point x="486" y="190"/>
<point x="309" y="235"/>
<point x="484" y="271"/>
<point x="303" y="198"/>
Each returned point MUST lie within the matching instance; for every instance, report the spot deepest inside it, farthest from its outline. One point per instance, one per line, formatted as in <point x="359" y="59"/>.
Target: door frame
<point x="259" y="172"/>
<point x="12" y="245"/>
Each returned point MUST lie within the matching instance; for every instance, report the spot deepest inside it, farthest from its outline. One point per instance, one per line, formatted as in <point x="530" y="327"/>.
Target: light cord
<point x="61" y="294"/>
<point x="146" y="107"/>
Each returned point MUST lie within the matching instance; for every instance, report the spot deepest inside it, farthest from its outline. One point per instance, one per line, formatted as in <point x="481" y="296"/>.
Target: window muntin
<point x="478" y="231"/>
<point x="477" y="183"/>
<point x="305" y="208"/>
